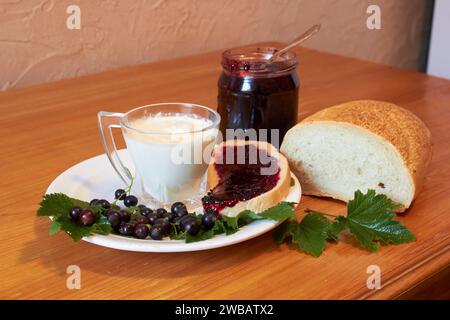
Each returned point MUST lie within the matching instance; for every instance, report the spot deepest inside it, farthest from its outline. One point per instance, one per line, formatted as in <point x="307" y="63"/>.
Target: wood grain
<point x="48" y="128"/>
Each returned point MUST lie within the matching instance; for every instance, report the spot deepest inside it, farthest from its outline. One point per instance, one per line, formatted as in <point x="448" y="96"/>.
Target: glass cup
<point x="170" y="145"/>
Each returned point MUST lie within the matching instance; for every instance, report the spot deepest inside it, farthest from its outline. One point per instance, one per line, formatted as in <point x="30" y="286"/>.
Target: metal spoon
<point x="303" y="37"/>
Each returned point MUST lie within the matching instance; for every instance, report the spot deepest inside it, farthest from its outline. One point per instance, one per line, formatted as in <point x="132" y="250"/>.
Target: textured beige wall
<point x="36" y="46"/>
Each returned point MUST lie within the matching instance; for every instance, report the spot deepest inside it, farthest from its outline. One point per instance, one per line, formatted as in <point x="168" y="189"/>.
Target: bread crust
<point x="394" y="124"/>
<point x="265" y="200"/>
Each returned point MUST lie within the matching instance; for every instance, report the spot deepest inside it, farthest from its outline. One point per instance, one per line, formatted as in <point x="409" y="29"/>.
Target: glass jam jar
<point x="255" y="94"/>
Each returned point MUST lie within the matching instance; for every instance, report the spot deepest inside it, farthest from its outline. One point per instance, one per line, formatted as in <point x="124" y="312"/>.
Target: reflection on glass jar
<point x="254" y="94"/>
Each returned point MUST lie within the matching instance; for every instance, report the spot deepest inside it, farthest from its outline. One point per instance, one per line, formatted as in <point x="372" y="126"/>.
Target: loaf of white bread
<point x="360" y="145"/>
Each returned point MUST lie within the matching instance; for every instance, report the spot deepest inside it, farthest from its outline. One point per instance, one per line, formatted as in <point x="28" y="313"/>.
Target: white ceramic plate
<point x="95" y="178"/>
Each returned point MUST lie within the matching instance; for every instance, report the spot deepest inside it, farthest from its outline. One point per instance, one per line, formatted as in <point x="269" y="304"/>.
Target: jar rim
<point x="254" y="60"/>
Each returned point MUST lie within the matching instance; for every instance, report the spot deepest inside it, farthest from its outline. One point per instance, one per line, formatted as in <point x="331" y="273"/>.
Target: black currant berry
<point x="192" y="227"/>
<point x="130" y="201"/>
<point x="120" y="194"/>
<point x="125" y="215"/>
<point x="146" y="211"/>
<point x="156" y="233"/>
<point x="87" y="217"/>
<point x="126" y="229"/>
<point x="185" y="219"/>
<point x="142" y="207"/>
<point x="141" y="231"/>
<point x="114" y="219"/>
<point x="164" y="224"/>
<point x="161" y="211"/>
<point x="169" y="216"/>
<point x="179" y="208"/>
<point x="142" y="220"/>
<point x="104" y="204"/>
<point x="74" y="213"/>
<point x="209" y="219"/>
<point x="152" y="217"/>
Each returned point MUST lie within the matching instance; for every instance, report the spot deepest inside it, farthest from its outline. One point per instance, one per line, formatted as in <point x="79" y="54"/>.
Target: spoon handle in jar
<point x="303" y="37"/>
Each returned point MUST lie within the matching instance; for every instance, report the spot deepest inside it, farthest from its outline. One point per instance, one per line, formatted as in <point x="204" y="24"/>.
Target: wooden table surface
<point x="46" y="129"/>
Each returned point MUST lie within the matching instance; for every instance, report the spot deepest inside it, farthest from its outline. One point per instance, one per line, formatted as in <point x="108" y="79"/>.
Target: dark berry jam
<point x="256" y="95"/>
<point x="241" y="176"/>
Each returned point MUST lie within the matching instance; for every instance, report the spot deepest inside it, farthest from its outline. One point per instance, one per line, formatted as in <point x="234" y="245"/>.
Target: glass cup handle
<point x="106" y="122"/>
